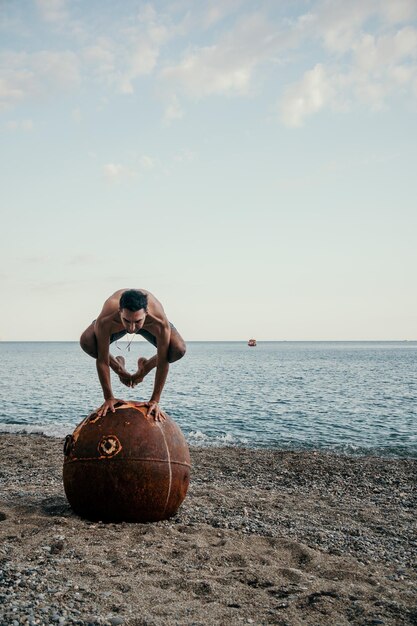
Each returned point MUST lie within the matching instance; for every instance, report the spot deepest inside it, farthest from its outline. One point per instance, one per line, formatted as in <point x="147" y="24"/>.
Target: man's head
<point x="133" y="307"/>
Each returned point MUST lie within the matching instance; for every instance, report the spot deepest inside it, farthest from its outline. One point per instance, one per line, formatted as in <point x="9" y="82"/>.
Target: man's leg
<point x="176" y="351"/>
<point x="88" y="343"/>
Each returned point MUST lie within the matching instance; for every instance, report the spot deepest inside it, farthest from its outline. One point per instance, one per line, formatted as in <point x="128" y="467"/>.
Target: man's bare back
<point x="132" y="311"/>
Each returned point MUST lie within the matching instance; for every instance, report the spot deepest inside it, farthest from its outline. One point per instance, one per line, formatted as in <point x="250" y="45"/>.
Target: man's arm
<point x="103" y="369"/>
<point x="161" y="374"/>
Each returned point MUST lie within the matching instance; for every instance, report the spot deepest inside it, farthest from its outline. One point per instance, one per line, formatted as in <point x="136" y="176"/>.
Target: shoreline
<point x="382" y="453"/>
<point x="263" y="537"/>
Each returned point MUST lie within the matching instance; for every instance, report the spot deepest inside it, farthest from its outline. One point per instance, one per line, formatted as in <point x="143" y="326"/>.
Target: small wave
<point x="197" y="437"/>
<point x="49" y="430"/>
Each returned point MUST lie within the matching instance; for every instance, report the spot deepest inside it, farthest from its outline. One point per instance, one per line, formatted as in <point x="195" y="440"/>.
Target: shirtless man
<point x="132" y="311"/>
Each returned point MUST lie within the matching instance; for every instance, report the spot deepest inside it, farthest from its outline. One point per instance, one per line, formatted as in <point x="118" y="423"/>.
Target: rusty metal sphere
<point x="126" y="467"/>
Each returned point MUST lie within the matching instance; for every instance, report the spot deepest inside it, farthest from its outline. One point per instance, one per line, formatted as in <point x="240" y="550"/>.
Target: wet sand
<point x="263" y="537"/>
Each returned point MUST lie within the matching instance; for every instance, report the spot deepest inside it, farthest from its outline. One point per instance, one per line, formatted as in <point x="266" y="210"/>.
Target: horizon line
<point x="231" y="341"/>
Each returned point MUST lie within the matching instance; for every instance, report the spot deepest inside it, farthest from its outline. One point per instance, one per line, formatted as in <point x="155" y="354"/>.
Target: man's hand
<point x="154" y="410"/>
<point x="107" y="405"/>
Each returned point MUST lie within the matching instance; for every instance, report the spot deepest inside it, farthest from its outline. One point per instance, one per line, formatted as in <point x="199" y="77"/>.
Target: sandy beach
<point x="263" y="537"/>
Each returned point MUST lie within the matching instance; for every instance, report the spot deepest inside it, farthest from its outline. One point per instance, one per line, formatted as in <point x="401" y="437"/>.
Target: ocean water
<point x="351" y="397"/>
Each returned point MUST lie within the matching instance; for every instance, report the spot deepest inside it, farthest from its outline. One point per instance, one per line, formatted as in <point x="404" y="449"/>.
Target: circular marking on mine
<point x="109" y="446"/>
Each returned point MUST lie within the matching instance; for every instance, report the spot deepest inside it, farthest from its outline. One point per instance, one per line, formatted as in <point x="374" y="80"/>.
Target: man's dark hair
<point x="133" y="300"/>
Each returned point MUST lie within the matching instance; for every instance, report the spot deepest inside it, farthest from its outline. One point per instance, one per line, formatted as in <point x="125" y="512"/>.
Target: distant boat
<point x="252" y="343"/>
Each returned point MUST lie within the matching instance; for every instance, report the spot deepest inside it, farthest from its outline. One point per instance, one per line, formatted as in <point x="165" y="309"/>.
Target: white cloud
<point x="203" y="73"/>
<point x="60" y="69"/>
<point x="116" y="173"/>
<point x="143" y="59"/>
<point x="215" y="11"/>
<point x="363" y="68"/>
<point x="338" y="23"/>
<point x="227" y="67"/>
<point x="398" y="11"/>
<point x="25" y="125"/>
<point x="119" y="61"/>
<point x="363" y="51"/>
<point x="115" y="55"/>
<point x="16" y="81"/>
<point x="383" y="66"/>
<point x="101" y="55"/>
<point x="119" y="64"/>
<point x="24" y="75"/>
<point x="173" y="110"/>
<point x="184" y="155"/>
<point x="377" y="53"/>
<point x="308" y="96"/>
<point x="367" y="54"/>
<point x="205" y="15"/>
<point x="52" y="10"/>
<point x="147" y="162"/>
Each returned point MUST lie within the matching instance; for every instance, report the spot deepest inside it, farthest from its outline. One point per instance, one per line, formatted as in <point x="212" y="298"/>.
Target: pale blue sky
<point x="250" y="163"/>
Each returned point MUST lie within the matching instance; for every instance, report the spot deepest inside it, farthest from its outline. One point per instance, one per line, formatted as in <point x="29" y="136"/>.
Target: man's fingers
<point x="154" y="411"/>
<point x="161" y="416"/>
<point x="142" y="404"/>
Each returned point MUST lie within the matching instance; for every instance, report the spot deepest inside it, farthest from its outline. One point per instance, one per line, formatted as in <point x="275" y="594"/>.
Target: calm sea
<point x="352" y="397"/>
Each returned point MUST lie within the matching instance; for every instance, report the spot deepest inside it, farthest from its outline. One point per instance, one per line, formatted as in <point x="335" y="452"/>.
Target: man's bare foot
<point x="122" y="373"/>
<point x="141" y="373"/>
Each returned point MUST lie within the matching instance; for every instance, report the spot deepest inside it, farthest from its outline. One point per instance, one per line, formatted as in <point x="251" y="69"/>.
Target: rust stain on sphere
<point x="125" y="467"/>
